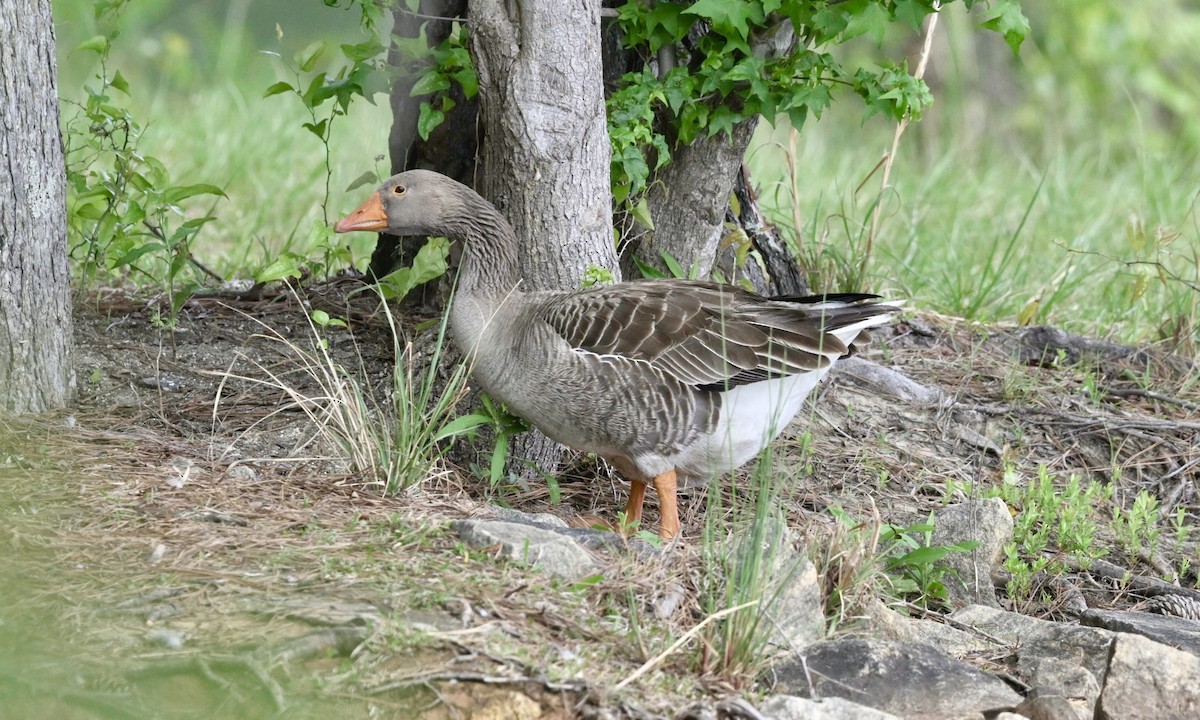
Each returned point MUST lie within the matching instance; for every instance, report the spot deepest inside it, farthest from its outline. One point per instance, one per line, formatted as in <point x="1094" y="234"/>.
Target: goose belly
<point x="751" y="417"/>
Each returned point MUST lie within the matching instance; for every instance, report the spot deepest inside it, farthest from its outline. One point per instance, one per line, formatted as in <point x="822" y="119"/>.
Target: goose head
<point x="416" y="202"/>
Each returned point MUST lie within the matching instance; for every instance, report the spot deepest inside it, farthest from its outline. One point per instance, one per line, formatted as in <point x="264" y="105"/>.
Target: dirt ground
<point x="172" y="556"/>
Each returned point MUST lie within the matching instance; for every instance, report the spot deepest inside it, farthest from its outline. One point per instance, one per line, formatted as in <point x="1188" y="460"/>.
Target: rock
<point x="1057" y="677"/>
<point x="790" y="707"/>
<point x="1149" y="680"/>
<point x="908" y="679"/>
<point x="792" y="591"/>
<point x="543" y="520"/>
<point x="1042" y="705"/>
<point x="545" y="550"/>
<point x="987" y="522"/>
<point x="886" y="623"/>
<point x="241" y="473"/>
<point x="166" y="637"/>
<point x="508" y="705"/>
<point x="1177" y="632"/>
<point x="1035" y="639"/>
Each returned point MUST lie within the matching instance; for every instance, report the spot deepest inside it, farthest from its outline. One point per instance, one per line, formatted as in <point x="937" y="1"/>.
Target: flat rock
<point x="1149" y="681"/>
<point x="790" y="707"/>
<point x="545" y="550"/>
<point x="542" y="520"/>
<point x="1035" y="639"/>
<point x="987" y="522"/>
<point x="1177" y="632"/>
<point x="908" y="679"/>
<point x="794" y="609"/>
<point x="1073" y="682"/>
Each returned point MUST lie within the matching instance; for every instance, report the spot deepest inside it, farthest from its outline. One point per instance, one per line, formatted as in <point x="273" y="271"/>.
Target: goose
<point x="666" y="379"/>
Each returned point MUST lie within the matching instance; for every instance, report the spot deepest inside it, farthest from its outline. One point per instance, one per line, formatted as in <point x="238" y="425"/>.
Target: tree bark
<point x="451" y="146"/>
<point x="689" y="197"/>
<point x="544" y="152"/>
<point x="36" y="370"/>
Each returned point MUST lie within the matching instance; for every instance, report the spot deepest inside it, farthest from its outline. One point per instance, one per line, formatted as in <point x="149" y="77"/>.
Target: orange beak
<point x="369" y="216"/>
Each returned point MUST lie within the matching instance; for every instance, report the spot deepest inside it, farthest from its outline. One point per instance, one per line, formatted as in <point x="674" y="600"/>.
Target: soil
<point x="178" y="556"/>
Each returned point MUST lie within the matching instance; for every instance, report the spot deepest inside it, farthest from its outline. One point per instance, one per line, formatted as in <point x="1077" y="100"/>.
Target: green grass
<point x="271" y="168"/>
<point x="992" y="233"/>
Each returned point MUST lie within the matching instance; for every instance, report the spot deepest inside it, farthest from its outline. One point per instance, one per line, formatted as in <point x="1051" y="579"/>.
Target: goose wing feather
<point x="707" y="335"/>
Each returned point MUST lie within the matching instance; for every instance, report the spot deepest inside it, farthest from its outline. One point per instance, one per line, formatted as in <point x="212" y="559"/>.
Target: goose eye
<point x="399" y="189"/>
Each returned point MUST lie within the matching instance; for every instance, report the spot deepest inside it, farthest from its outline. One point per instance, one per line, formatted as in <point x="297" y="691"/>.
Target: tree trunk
<point x="451" y="146"/>
<point x="689" y="197"/>
<point x="36" y="371"/>
<point x="544" y="152"/>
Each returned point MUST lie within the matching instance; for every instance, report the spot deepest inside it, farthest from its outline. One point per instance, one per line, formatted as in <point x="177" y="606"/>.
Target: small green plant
<point x="393" y="445"/>
<point x="1051" y="520"/>
<point x="1137" y="528"/>
<point x="746" y="575"/>
<point x="505" y="426"/>
<point x="914" y="563"/>
<point x="362" y="72"/>
<point x="125" y="214"/>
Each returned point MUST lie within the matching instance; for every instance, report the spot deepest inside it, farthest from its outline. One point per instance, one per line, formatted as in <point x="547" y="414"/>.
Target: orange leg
<point x="633" y="508"/>
<point x="665" y="486"/>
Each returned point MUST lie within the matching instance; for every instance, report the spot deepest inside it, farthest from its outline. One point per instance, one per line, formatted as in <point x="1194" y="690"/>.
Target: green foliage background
<point x="1057" y="186"/>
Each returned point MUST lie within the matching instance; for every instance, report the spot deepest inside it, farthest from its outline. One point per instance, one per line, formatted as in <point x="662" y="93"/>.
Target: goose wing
<point x="707" y="335"/>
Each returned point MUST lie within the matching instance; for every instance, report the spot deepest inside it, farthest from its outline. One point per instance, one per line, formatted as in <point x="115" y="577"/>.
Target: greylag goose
<point x="665" y="379"/>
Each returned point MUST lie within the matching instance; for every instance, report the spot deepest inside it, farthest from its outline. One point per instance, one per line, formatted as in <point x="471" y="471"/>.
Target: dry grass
<point x="231" y="532"/>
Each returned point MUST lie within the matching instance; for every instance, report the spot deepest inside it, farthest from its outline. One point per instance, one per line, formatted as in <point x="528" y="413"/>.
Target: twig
<point x="654" y="661"/>
<point x="1138" y="392"/>
<point x="1138" y="583"/>
<point x="890" y="157"/>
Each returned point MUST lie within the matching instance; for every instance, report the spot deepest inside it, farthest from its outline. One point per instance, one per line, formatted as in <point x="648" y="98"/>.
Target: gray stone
<point x="543" y="520"/>
<point x="1035" y="639"/>
<point x="1150" y="681"/>
<point x="1059" y="677"/>
<point x="790" y="707"/>
<point x="1042" y="705"/>
<point x="793" y="593"/>
<point x="545" y="550"/>
<point x="908" y="679"/>
<point x="987" y="522"/>
<point x="889" y="624"/>
<point x="1177" y="632"/>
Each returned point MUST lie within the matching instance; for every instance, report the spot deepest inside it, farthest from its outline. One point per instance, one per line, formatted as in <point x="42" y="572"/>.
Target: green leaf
<point x="175" y="194"/>
<point x="672" y="264"/>
<point x="287" y="266"/>
<point x="429" y="263"/>
<point x="429" y="119"/>
<point x="367" y="178"/>
<point x="727" y="15"/>
<point x="461" y="425"/>
<point x="912" y="12"/>
<point x="96" y="43"/>
<point x="871" y="20"/>
<point x="641" y="213"/>
<point x="317" y="129"/>
<point x="132" y="256"/>
<point x="277" y="88"/>
<point x="1006" y="18"/>
<point x="119" y="82"/>
<point x="430" y="83"/>
<point x="307" y="58"/>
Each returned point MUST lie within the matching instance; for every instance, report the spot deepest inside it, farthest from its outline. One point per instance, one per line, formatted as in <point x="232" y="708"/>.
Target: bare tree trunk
<point x="544" y="153"/>
<point x="36" y="371"/>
